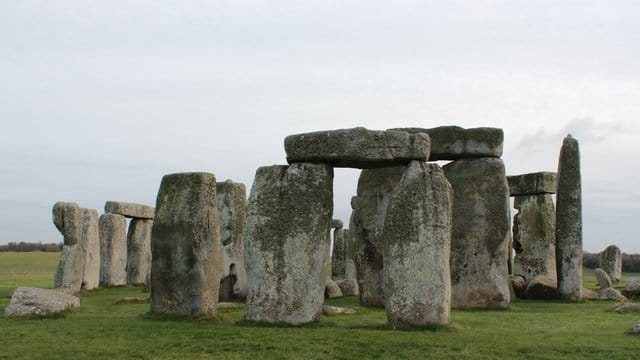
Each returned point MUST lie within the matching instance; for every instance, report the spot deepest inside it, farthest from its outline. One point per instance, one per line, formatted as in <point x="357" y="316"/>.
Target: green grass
<point x="100" y="329"/>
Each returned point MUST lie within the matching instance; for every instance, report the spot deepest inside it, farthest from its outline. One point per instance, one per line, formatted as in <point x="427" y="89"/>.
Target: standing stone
<point x="602" y="278"/>
<point x="113" y="250"/>
<point x="349" y="255"/>
<point x="534" y="233"/>
<point x="185" y="246"/>
<point x="417" y="240"/>
<point x="232" y="203"/>
<point x="338" y="259"/>
<point x="139" y="251"/>
<point x="68" y="219"/>
<point x="480" y="233"/>
<point x="286" y="240"/>
<point x="90" y="241"/>
<point x="569" y="222"/>
<point x="367" y="224"/>
<point x="332" y="290"/>
<point x="611" y="262"/>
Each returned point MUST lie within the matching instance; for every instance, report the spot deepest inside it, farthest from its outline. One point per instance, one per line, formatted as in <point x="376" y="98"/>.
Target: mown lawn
<point x="100" y="329"/>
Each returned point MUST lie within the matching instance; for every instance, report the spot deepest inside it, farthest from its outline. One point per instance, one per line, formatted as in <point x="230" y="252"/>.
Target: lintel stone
<point x="129" y="210"/>
<point x="537" y="183"/>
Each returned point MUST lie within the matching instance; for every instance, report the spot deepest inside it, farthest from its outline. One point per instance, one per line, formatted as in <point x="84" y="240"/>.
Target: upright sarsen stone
<point x="338" y="258"/>
<point x="417" y="239"/>
<point x="113" y="250"/>
<point x="139" y="251"/>
<point x="90" y="241"/>
<point x="569" y="222"/>
<point x="286" y="240"/>
<point x="480" y="233"/>
<point x="68" y="219"/>
<point x="185" y="246"/>
<point x="611" y="262"/>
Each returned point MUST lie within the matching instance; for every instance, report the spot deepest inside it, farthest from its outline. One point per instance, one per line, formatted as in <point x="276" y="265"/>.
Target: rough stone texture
<point x="113" y="250"/>
<point x="348" y="286"/>
<point x="610" y="294"/>
<point x="129" y="210"/>
<point x="454" y="142"/>
<point x="286" y="240"/>
<point x="357" y="148"/>
<point x="33" y="301"/>
<point x="139" y="251"/>
<point x="90" y="241"/>
<point x="480" y="234"/>
<point x="602" y="278"/>
<point x="335" y="310"/>
<point x="588" y="294"/>
<point x="569" y="222"/>
<point x="69" y="219"/>
<point x="627" y="308"/>
<point x="416" y="248"/>
<point x="542" y="288"/>
<point x="338" y="258"/>
<point x="327" y="268"/>
<point x="367" y="223"/>
<point x="186" y="250"/>
<point x="632" y="285"/>
<point x="337" y="224"/>
<point x="349" y="255"/>
<point x="611" y="262"/>
<point x="332" y="290"/>
<point x="519" y="285"/>
<point x="537" y="183"/>
<point x="534" y="233"/>
<point x="232" y="203"/>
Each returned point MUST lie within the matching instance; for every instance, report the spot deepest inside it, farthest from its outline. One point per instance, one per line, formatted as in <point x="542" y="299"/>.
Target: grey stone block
<point x="129" y="210"/>
<point x="533" y="183"/>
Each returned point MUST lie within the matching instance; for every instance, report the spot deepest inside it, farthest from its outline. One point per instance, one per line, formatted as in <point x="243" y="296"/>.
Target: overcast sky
<point x="99" y="99"/>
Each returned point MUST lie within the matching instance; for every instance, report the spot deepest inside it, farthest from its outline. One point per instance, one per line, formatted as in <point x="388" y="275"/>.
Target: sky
<point x="100" y="99"/>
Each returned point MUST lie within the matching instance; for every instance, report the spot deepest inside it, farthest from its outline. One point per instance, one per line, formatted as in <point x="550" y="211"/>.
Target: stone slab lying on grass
<point x="544" y="182"/>
<point x="627" y="308"/>
<point x="335" y="310"/>
<point x="129" y="210"/>
<point x="42" y="302"/>
<point x="632" y="285"/>
<point x="357" y="148"/>
<point x="603" y="294"/>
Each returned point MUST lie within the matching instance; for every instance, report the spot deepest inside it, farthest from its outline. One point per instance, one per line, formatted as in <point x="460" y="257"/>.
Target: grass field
<point x="99" y="329"/>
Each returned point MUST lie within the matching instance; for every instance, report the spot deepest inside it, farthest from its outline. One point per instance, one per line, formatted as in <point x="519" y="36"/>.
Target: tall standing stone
<point x="286" y="240"/>
<point x="349" y="255"/>
<point x="480" y="233"/>
<point x="367" y="224"/>
<point x="338" y="258"/>
<point x="417" y="240"/>
<point x="113" y="250"/>
<point x="611" y="262"/>
<point x="90" y="241"/>
<point x="68" y="219"/>
<point x="139" y="251"/>
<point x="569" y="222"/>
<point x="186" y="247"/>
<point x="232" y="203"/>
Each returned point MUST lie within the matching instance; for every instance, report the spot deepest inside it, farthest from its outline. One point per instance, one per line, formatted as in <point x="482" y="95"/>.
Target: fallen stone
<point x="335" y="310"/>
<point x="139" y="251"/>
<point x="454" y="142"/>
<point x="611" y="263"/>
<point x="542" y="288"/>
<point x="537" y="183"/>
<point x="33" y="301"/>
<point x="627" y="308"/>
<point x="416" y="248"/>
<point x="348" y="287"/>
<point x="610" y="294"/>
<point x="185" y="245"/>
<point x="113" y="250"/>
<point x="588" y="294"/>
<point x="332" y="290"/>
<point x="357" y="148"/>
<point x="129" y="210"/>
<point x="338" y="257"/>
<point x="602" y="278"/>
<point x="569" y="222"/>
<point x="480" y="233"/>
<point x="519" y="285"/>
<point x="69" y="220"/>
<point x="337" y="224"/>
<point x="286" y="240"/>
<point x="632" y="286"/>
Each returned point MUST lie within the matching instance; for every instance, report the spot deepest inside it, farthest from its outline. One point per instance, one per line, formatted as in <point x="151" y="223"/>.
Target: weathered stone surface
<point x="349" y="255"/>
<point x="611" y="262"/>
<point x="454" y="142"/>
<point x="335" y="310"/>
<point x="534" y="233"/>
<point x="416" y="248"/>
<point x="139" y="250"/>
<point x="339" y="250"/>
<point x="610" y="294"/>
<point x="232" y="203"/>
<point x="327" y="269"/>
<point x="367" y="223"/>
<point x="569" y="222"/>
<point x="286" y="240"/>
<point x="632" y="285"/>
<point x="480" y="233"/>
<point x="90" y="241"/>
<point x="588" y="294"/>
<point x="186" y="249"/>
<point x="129" y="210"/>
<point x="69" y="219"/>
<point x="357" y="148"/>
<point x="113" y="250"/>
<point x="537" y="183"/>
<point x="519" y="285"/>
<point x="348" y="286"/>
<point x="337" y="224"/>
<point x="332" y="290"/>
<point x="33" y="301"/>
<point x="542" y="288"/>
<point x="603" y="279"/>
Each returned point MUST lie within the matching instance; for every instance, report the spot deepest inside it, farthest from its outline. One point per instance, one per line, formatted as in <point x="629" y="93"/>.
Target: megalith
<point x="569" y="222"/>
<point x="611" y="263"/>
<point x="367" y="224"/>
<point x="286" y="239"/>
<point x="338" y="259"/>
<point x="90" y="241"/>
<point x="185" y="246"/>
<point x="232" y="202"/>
<point x="113" y="250"/>
<point x="139" y="251"/>
<point x="416" y="248"/>
<point x="129" y="210"/>
<point x="68" y="219"/>
<point x="480" y="233"/>
<point x="349" y="255"/>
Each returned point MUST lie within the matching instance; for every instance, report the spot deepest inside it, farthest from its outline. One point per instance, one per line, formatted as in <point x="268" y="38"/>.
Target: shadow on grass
<point x="201" y="319"/>
<point x="60" y="315"/>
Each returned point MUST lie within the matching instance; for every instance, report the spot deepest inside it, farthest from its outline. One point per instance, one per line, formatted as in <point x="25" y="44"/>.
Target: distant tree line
<point x="26" y="247"/>
<point x="630" y="262"/>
